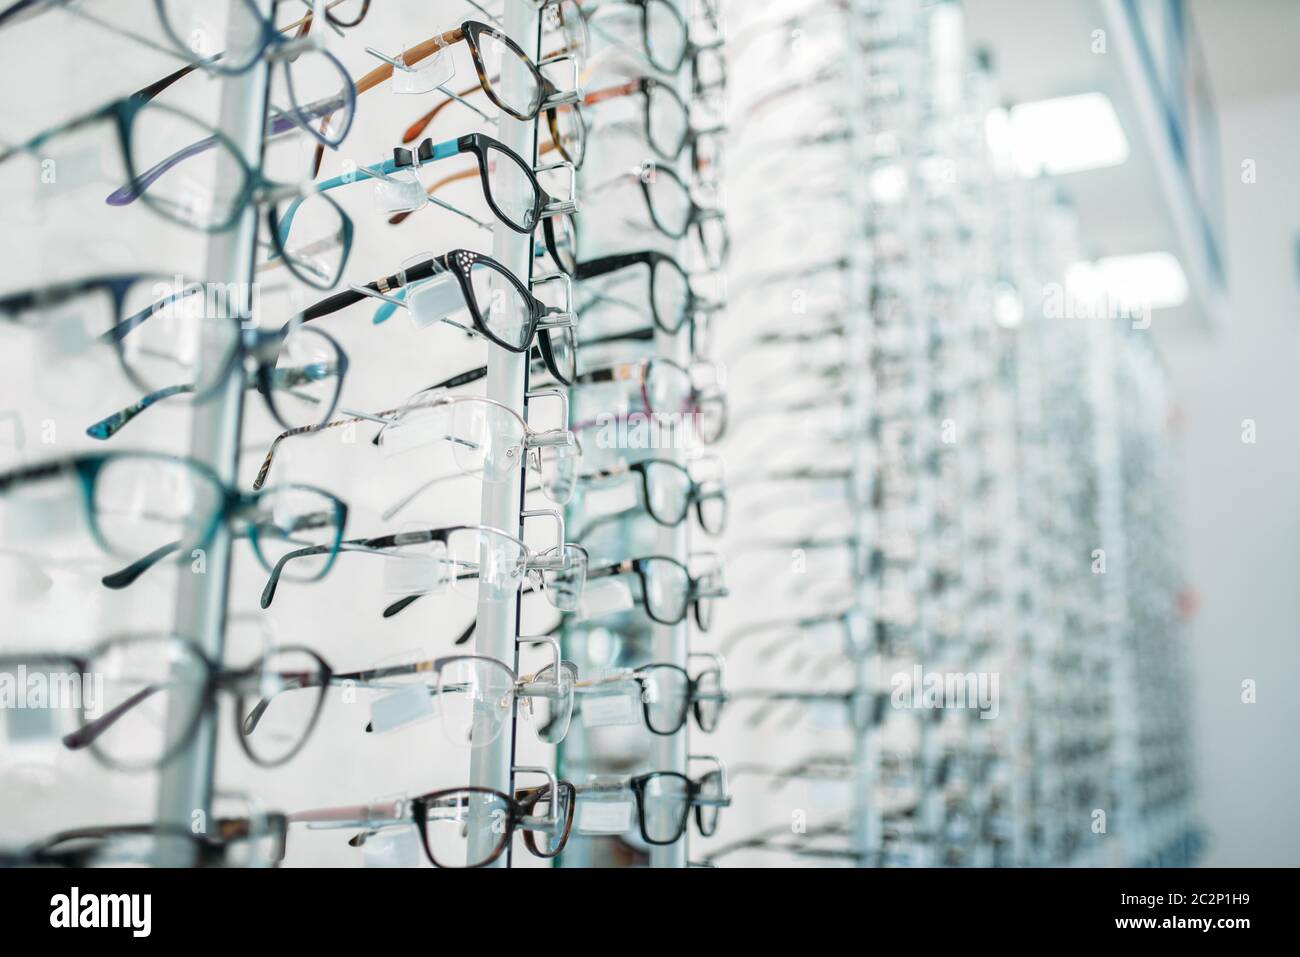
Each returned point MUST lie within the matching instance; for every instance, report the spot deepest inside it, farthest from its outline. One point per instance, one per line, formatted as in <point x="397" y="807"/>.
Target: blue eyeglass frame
<point x="87" y="468"/>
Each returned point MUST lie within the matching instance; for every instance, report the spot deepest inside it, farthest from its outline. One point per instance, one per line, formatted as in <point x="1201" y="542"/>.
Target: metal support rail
<point x="185" y="785"/>
<point x="496" y="634"/>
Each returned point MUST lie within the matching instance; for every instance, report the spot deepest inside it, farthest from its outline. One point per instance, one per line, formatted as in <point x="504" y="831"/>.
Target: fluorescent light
<point x="1008" y="310"/>
<point x="888" y="184"/>
<point x="1066" y="135"/>
<point x="1149" y="280"/>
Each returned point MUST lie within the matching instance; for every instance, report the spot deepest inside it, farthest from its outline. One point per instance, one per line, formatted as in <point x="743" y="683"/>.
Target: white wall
<point x="1243" y="516"/>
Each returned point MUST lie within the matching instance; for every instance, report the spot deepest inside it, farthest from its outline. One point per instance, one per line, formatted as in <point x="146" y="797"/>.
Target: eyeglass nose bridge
<point x="552" y="821"/>
<point x="544" y="689"/>
<point x="563" y="314"/>
<point x="719" y="663"/>
<point x="717" y="762"/>
<point x="548" y="564"/>
<point x="569" y="204"/>
<point x="572" y="92"/>
<point x="563" y="397"/>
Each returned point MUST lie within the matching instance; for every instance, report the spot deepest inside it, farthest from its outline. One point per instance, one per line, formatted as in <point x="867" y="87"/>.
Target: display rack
<point x="186" y="786"/>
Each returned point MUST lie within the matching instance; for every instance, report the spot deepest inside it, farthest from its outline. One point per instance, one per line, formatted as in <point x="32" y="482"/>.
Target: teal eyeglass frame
<point x="480" y="145"/>
<point x="87" y="468"/>
<point x="253" y="189"/>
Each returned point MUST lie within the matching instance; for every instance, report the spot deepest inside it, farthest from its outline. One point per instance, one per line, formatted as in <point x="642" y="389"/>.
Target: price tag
<point x="604" y="817"/>
<point x="605" y="598"/>
<point x="392" y="847"/>
<point x="434" y="300"/>
<point x="411" y="572"/>
<point x="400" y="708"/>
<point x="429" y="74"/>
<point x="401" y="193"/>
<point x="609" y="710"/>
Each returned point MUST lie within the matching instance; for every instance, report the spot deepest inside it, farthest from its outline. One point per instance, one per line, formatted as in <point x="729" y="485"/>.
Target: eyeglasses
<point x="509" y="78"/>
<point x="235" y="842"/>
<point x="174" y="347"/>
<point x="154" y="689"/>
<point x="159" y="505"/>
<point x="187" y="24"/>
<point x="663" y="31"/>
<point x="672" y="300"/>
<point x="664" y="800"/>
<point x="213" y="197"/>
<point x="668" y="491"/>
<point x="565" y="124"/>
<point x="489" y="440"/>
<point x="475" y="696"/>
<point x="465" y="827"/>
<point x="674" y="211"/>
<point x="668" y="590"/>
<point x="316" y="81"/>
<point x="502" y="309"/>
<point x="517" y="320"/>
<point x="668" y="694"/>
<point x="477" y="560"/>
<point x="665" y="116"/>
<point x="667" y="388"/>
<point x="558" y="237"/>
<point x="522" y="203"/>
<point x="559" y="573"/>
<point x="563" y="118"/>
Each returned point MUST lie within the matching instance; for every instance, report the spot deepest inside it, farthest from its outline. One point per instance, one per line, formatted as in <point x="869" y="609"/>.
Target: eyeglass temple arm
<point x="374" y="171"/>
<point x="289" y="682"/>
<point x="39" y="139"/>
<point x="372" y="545"/>
<point x="448" y="180"/>
<point x="110" y="425"/>
<point x="403" y="603"/>
<point x="352" y="419"/>
<point x="128" y="325"/>
<point x="124" y="577"/>
<point x="373" y="815"/>
<point x="268" y="593"/>
<point x="129" y="192"/>
<point x="303" y="26"/>
<point x="88" y="733"/>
